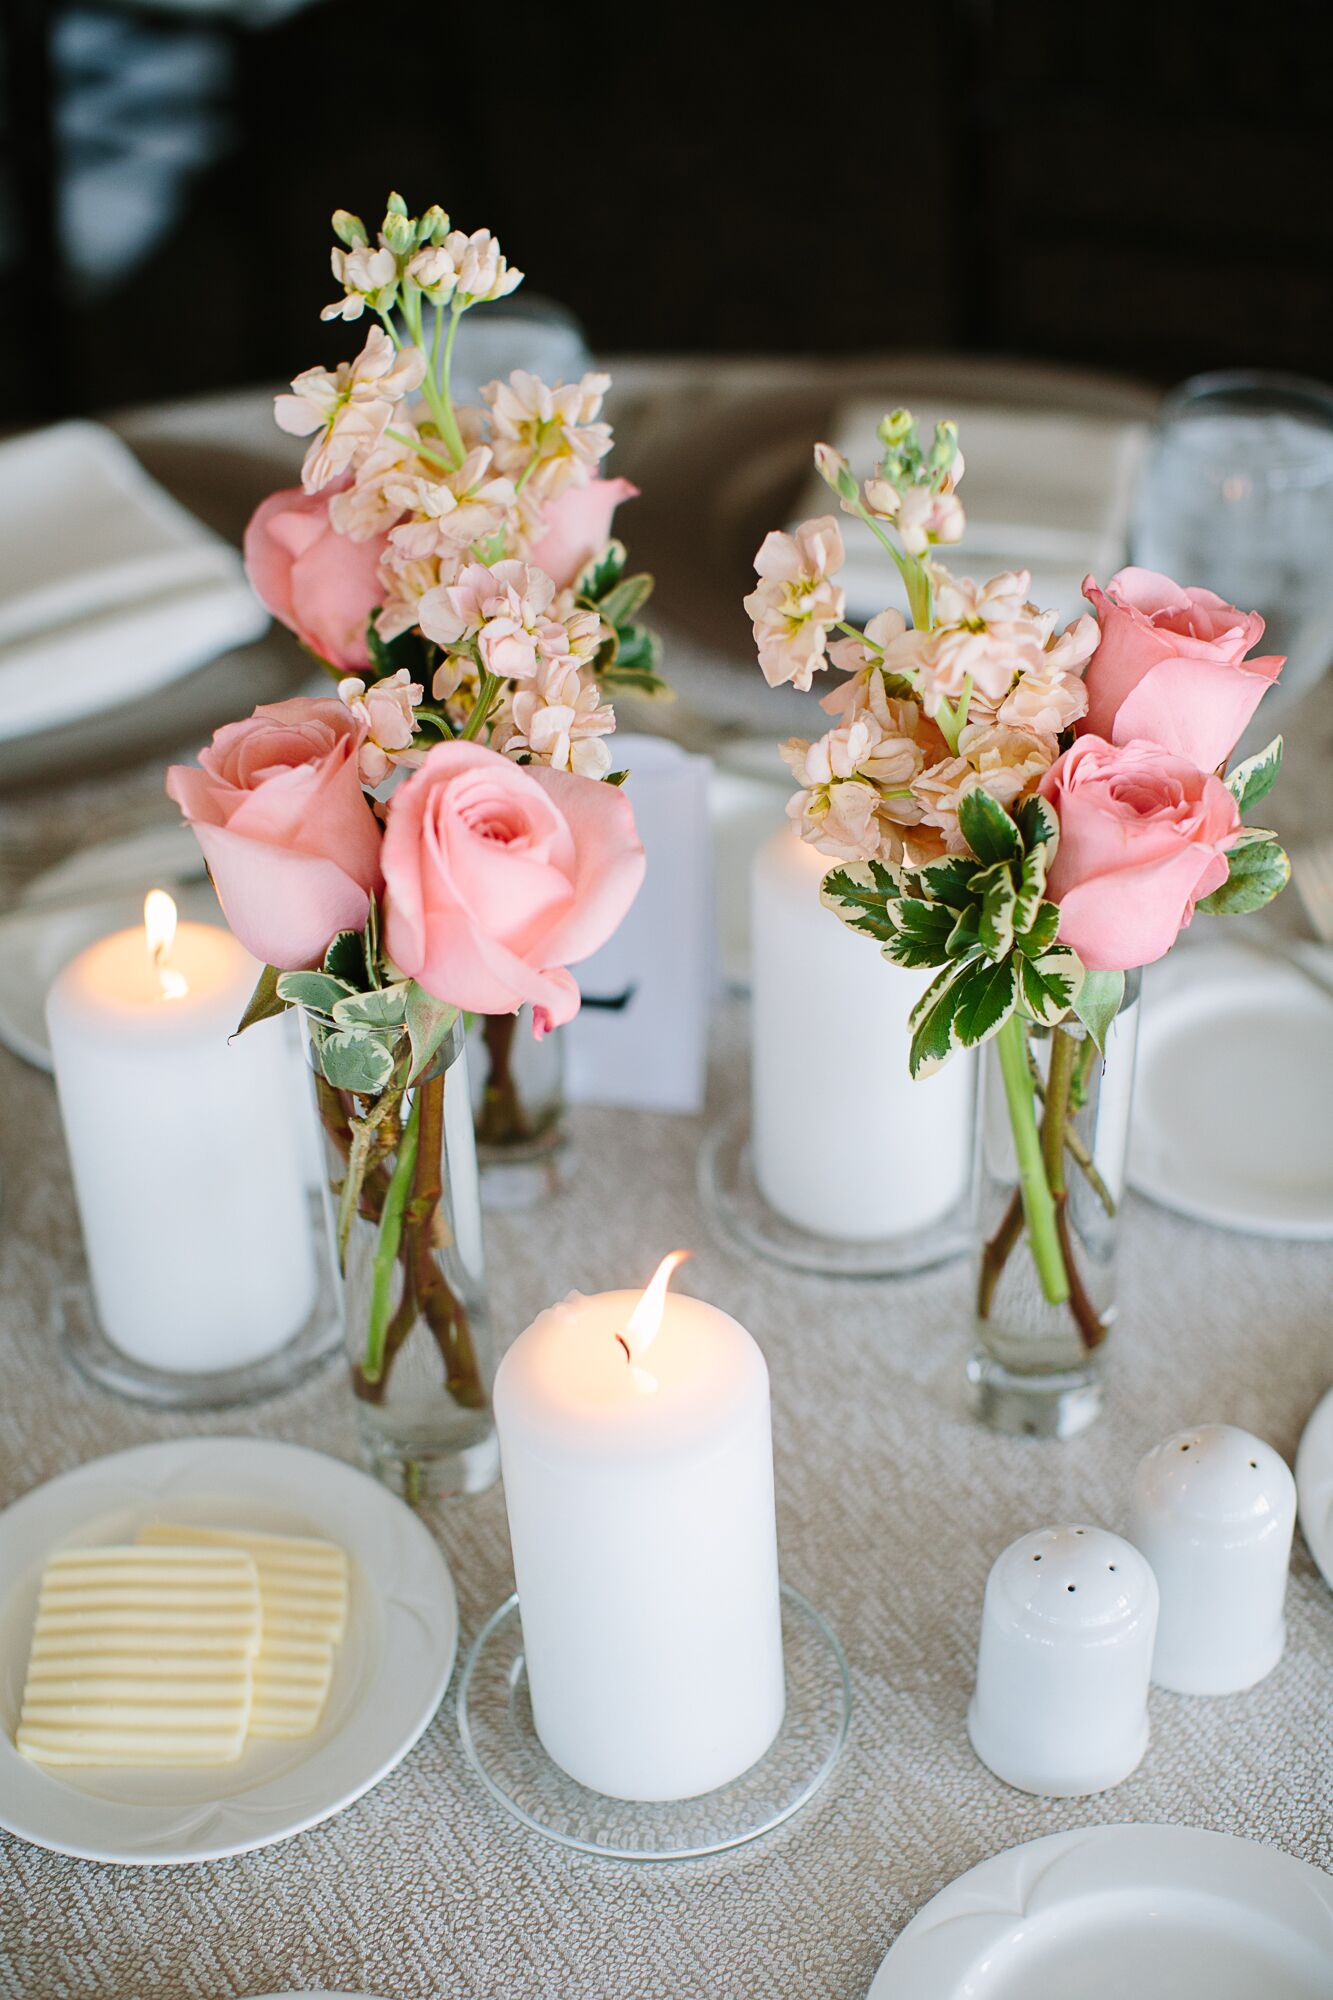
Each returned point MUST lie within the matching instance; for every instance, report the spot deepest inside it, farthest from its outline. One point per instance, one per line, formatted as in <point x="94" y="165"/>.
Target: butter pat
<point x="142" y="1656"/>
<point x="303" y="1592"/>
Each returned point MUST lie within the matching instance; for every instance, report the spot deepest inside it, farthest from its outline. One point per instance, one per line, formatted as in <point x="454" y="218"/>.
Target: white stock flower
<point x="350" y="408"/>
<point x="368" y="278"/>
<point x="795" y="602"/>
<point x="387" y="707"/>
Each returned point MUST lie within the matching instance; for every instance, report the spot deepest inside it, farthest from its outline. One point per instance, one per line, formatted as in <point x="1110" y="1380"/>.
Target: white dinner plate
<point x="1107" y="1912"/>
<point x="85" y="897"/>
<point x="391" y="1672"/>
<point x="1314" y="1485"/>
<point x="1233" y="1104"/>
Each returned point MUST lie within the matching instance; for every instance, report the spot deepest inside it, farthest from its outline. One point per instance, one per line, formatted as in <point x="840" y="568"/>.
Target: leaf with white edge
<point x="987" y="996"/>
<point x="1098" y="1002"/>
<point x="1254" y="779"/>
<point x="264" y="1002"/>
<point x="1257" y="874"/>
<point x="1040" y="934"/>
<point x="345" y="959"/>
<point x="597" y="577"/>
<point x="1031" y="887"/>
<point x="864" y="896"/>
<point x="926" y="924"/>
<point x="947" y="881"/>
<point x="428" y="1022"/>
<point x="987" y="828"/>
<point x="1038" y="825"/>
<point x="624" y="599"/>
<point x="995" y="930"/>
<point x="931" y="1022"/>
<point x="964" y="939"/>
<point x="385" y="1007"/>
<point x="358" y="1062"/>
<point x="1049" y="985"/>
<point x="318" y="990"/>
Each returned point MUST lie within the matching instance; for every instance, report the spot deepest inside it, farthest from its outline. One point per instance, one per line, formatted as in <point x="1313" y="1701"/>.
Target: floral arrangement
<point x="443" y="831"/>
<point x="1029" y="813"/>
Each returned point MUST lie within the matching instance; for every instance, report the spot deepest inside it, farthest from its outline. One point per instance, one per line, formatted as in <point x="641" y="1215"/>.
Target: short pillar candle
<point x="1214" y="1510"/>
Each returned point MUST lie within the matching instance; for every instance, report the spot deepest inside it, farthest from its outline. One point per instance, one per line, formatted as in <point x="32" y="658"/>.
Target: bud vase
<point x="403" y="1203"/>
<point x="518" y="1100"/>
<point x="1052" y="1137"/>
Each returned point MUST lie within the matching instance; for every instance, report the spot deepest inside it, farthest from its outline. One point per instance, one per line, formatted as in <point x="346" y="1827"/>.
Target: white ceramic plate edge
<point x="1314" y="1485"/>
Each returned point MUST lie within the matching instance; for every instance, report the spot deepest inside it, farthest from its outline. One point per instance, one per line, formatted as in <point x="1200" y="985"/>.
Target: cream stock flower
<point x="368" y="507"/>
<point x="368" y="277"/>
<point x="450" y="510"/>
<point x="348" y="409"/>
<point x="500" y="610"/>
<point x="1004" y="762"/>
<point x="405" y="585"/>
<point x="924" y="518"/>
<point x="559" y="718"/>
<point x="387" y="707"/>
<point x="795" y="601"/>
<point x="550" y="435"/>
<point x="480" y="271"/>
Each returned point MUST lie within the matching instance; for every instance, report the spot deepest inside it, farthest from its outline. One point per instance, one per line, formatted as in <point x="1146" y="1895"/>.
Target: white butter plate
<point x="390" y="1676"/>
<point x="1156" y="1912"/>
<point x="1233" y="1104"/>
<point x="1314" y="1486"/>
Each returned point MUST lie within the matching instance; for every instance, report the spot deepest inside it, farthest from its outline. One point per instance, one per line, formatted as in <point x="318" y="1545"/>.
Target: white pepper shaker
<point x="1213" y="1511"/>
<point x="1061" y="1701"/>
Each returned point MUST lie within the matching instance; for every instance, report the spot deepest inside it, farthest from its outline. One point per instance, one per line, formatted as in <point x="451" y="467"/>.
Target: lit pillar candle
<point x="636" y="1444"/>
<point x="185" y="1156"/>
<point x="842" y="1142"/>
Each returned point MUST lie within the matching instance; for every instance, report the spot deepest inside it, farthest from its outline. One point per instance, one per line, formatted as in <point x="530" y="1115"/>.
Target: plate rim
<point x="1317" y="1438"/>
<point x="1005" y="1886"/>
<point x="416" y="1538"/>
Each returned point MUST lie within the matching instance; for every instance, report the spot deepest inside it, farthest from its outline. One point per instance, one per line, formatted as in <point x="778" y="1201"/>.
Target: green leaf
<point x="634" y="662"/>
<point x="1254" y="779"/>
<point x="995" y="930"/>
<point x="1031" y="887"/>
<point x="408" y="650"/>
<point x="948" y="881"/>
<point x="356" y="1061"/>
<point x="616" y="778"/>
<point x="624" y="599"/>
<point x="987" y="996"/>
<point x="1049" y="985"/>
<point x="1098" y="1002"/>
<point x="264" y="1002"/>
<point x="931" y="1022"/>
<point x="987" y="828"/>
<point x="1038" y="825"/>
<point x="964" y="939"/>
<point x="385" y="1007"/>
<point x="428" y="1022"/>
<point x="865" y="895"/>
<point x="319" y="990"/>
<point x="1257" y="873"/>
<point x="601" y="573"/>
<point x="345" y="960"/>
<point x="1041" y="932"/>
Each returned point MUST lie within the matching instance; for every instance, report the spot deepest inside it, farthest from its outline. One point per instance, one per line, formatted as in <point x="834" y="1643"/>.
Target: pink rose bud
<point x="577" y="526"/>
<point x="1143" y="836"/>
<point x="288" y="834"/>
<point x="1171" y="667"/>
<point x="321" y="585"/>
<point x="499" y="876"/>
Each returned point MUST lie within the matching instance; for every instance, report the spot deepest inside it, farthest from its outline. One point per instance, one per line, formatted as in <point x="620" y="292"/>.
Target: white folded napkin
<point x="1043" y="490"/>
<point x="108" y="587"/>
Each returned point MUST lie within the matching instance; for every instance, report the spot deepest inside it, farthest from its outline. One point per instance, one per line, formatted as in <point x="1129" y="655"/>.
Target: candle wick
<point x="625" y="1344"/>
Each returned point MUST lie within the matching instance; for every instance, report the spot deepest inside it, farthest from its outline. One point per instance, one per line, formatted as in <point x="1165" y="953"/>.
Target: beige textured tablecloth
<point x="891" y="1507"/>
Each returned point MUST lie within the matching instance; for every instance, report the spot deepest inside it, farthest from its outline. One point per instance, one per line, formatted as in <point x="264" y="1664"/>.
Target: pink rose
<point x="1171" y="667"/>
<point x="1143" y="835"/>
<point x="288" y="834"/>
<point x="577" y="526"/>
<point x="322" y="585"/>
<point x="499" y="875"/>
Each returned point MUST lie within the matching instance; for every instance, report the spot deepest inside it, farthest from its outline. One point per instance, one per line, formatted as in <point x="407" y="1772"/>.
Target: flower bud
<point x="396" y="205"/>
<point x="945" y="448"/>
<point x="834" y="470"/>
<point x="349" y="228"/>
<point x="398" y="234"/>
<point x="899" y="427"/>
<point x="433" y="226"/>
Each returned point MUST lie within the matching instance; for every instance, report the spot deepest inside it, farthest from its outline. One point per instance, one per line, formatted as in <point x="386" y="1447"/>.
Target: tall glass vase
<point x="518" y="1099"/>
<point x="403" y="1202"/>
<point x="1052" y="1137"/>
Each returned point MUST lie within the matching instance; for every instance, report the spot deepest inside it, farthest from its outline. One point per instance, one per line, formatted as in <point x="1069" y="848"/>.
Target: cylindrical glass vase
<point x="518" y="1100"/>
<point x="403" y="1201"/>
<point x="1052" y="1139"/>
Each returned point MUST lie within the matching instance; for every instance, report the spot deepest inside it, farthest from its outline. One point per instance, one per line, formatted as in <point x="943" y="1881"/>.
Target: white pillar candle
<point x="638" y="1471"/>
<point x="186" y="1159"/>
<point x="842" y="1141"/>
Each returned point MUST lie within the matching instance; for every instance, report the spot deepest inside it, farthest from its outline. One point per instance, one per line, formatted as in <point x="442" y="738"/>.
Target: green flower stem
<point x="1038" y="1206"/>
<point x="423" y="447"/>
<point x="444" y="416"/>
<point x="486" y="693"/>
<point x="386" y="1250"/>
<point x="358" y="1159"/>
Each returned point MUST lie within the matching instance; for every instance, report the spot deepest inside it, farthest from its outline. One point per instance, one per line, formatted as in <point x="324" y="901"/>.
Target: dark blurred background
<point x="1134" y="186"/>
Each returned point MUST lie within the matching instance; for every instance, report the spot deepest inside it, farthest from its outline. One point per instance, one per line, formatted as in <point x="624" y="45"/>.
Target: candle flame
<point x="159" y="923"/>
<point x="644" y="1323"/>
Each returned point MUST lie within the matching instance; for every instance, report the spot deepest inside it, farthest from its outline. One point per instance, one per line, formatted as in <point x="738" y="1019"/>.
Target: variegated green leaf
<point x="995" y="928"/>
<point x="1041" y="932"/>
<point x="922" y="932"/>
<point x="1257" y="873"/>
<point x="987" y="996"/>
<point x="1038" y="825"/>
<point x="428" y="1022"/>
<point x="1254" y="779"/>
<point x="1049" y="985"/>
<point x="947" y="881"/>
<point x="356" y="1061"/>
<point x="385" y="1007"/>
<point x="1031" y="887"/>
<point x="319" y="990"/>
<point x="964" y="938"/>
<point x="931" y="1022"/>
<point x="624" y="599"/>
<point x="1098" y="1002"/>
<point x="345" y="959"/>
<point x="864" y="895"/>
<point x="987" y="828"/>
<point x="604" y="570"/>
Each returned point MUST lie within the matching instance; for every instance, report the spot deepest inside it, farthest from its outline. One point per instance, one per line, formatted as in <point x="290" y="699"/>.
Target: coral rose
<point x="576" y="526"/>
<point x="322" y="585"/>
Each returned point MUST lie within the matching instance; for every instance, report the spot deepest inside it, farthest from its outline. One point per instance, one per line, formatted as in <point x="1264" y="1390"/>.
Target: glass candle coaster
<point x="503" y="1748"/>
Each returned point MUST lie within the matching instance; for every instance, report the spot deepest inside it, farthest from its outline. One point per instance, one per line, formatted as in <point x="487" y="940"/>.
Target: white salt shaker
<point x="1061" y="1701"/>
<point x="1213" y="1511"/>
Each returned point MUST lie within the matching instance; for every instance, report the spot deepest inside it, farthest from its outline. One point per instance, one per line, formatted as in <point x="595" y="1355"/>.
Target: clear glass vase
<point x="403" y="1202"/>
<point x="1052" y="1137"/>
<point x="518" y="1102"/>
